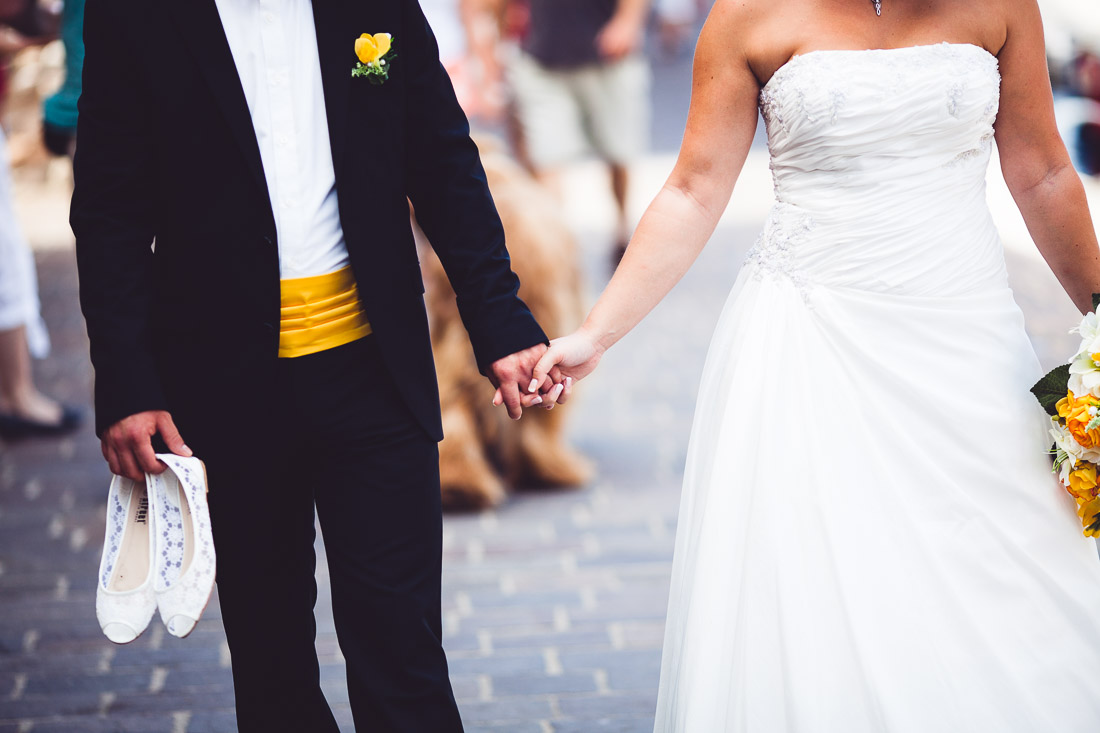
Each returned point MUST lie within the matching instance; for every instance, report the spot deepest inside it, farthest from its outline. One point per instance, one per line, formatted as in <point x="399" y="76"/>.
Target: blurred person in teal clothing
<point x="59" y="110"/>
<point x="24" y="410"/>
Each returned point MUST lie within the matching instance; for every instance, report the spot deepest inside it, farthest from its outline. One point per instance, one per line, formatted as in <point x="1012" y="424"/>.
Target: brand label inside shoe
<point x="143" y="510"/>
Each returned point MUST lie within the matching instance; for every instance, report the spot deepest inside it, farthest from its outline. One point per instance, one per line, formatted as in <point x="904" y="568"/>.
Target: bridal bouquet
<point x="1071" y="396"/>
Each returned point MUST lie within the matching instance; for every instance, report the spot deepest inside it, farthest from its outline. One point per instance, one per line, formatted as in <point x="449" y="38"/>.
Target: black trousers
<point x="337" y="438"/>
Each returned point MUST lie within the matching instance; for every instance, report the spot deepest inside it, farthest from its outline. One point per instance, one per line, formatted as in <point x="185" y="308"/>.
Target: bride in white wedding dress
<point x="870" y="537"/>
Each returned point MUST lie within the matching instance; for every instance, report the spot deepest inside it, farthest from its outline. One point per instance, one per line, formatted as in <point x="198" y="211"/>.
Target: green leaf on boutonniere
<point x="1052" y="388"/>
<point x="1095" y="301"/>
<point x="376" y="72"/>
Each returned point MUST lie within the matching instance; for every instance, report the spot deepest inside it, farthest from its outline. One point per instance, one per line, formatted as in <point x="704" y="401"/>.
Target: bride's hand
<point x="569" y="358"/>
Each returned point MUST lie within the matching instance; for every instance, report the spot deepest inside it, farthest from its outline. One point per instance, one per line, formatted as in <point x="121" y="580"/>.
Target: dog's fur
<point x="484" y="452"/>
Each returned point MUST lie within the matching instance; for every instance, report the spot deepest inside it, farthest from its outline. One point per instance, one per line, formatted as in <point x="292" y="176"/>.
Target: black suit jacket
<point x="167" y="152"/>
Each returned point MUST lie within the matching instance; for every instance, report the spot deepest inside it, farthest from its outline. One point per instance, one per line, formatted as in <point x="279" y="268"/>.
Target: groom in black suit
<point x="248" y="276"/>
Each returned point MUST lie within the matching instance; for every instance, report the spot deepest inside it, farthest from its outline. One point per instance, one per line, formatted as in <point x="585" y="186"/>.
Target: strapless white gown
<point x="870" y="537"/>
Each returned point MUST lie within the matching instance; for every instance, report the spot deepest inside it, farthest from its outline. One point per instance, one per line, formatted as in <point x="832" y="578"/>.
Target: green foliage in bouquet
<point x="1052" y="388"/>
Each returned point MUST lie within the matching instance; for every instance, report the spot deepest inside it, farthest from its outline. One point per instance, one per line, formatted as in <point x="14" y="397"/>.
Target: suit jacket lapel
<point x="202" y="28"/>
<point x="336" y="48"/>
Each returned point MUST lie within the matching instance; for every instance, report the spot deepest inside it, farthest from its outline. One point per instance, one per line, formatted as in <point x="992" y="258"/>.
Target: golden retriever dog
<point x="484" y="452"/>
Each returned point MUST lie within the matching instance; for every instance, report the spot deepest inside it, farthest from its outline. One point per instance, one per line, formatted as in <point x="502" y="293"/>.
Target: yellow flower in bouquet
<point x="1079" y="414"/>
<point x="1082" y="482"/>
<point x="1090" y="517"/>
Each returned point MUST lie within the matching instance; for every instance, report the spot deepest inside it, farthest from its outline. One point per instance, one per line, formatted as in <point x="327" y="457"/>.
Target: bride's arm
<point x="672" y="232"/>
<point x="1035" y="163"/>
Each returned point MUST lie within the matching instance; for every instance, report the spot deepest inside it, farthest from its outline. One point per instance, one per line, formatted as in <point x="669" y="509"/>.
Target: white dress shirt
<point x="274" y="46"/>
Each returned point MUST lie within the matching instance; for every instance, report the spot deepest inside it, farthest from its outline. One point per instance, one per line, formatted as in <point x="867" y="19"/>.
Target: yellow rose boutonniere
<point x="375" y="53"/>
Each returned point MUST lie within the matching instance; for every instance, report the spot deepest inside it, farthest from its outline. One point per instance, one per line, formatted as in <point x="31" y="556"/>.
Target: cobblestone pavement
<point x="554" y="603"/>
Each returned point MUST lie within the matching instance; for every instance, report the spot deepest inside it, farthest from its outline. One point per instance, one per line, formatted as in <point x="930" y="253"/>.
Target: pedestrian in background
<point x="467" y="36"/>
<point x="1077" y="110"/>
<point x="581" y="84"/>
<point x="24" y="410"/>
<point x="59" y="110"/>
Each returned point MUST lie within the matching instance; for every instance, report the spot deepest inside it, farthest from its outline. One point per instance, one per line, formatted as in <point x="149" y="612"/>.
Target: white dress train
<point x="871" y="539"/>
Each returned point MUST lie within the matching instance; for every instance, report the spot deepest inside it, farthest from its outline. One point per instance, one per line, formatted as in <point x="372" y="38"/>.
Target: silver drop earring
<point x="878" y="6"/>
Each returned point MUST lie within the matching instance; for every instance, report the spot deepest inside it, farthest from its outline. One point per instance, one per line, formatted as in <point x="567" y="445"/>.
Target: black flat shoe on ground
<point x="14" y="427"/>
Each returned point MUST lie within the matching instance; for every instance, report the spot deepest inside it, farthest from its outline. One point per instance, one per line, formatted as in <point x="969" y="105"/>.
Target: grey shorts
<point x="600" y="108"/>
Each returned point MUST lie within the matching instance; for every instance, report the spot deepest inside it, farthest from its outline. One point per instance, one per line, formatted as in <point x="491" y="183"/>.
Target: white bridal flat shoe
<point x="184" y="560"/>
<point x="124" y="600"/>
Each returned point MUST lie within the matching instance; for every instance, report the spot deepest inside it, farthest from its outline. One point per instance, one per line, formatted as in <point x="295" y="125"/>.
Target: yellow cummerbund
<point x="320" y="313"/>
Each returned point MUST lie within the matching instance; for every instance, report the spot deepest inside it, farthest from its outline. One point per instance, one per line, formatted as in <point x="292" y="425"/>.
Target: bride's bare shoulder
<point x="757" y="32"/>
<point x="990" y="24"/>
<point x="1020" y="17"/>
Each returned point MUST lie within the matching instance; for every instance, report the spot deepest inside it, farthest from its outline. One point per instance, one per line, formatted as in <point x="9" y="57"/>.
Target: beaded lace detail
<point x="834" y="120"/>
<point x="770" y="109"/>
<point x="116" y="525"/>
<point x="773" y="253"/>
<point x="184" y="591"/>
<point x="817" y="91"/>
<point x="170" y="540"/>
<point x="809" y="105"/>
<point x="134" y="608"/>
<point x="811" y="95"/>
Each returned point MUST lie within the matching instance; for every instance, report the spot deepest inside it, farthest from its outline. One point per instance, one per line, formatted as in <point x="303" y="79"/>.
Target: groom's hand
<point x="128" y="444"/>
<point x="512" y="378"/>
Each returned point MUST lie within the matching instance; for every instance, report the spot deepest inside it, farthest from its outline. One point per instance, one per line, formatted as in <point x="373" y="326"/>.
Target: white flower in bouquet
<point x="1090" y="455"/>
<point x="1090" y="347"/>
<point x="1064" y="471"/>
<point x="1089" y="329"/>
<point x="1084" y="375"/>
<point x="1067" y="451"/>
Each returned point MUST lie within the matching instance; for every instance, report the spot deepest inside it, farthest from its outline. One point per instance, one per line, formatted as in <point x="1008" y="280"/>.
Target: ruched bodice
<point x="870" y="538"/>
<point x="879" y="161"/>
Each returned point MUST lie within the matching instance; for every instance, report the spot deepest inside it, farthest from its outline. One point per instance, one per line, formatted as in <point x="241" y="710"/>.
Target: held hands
<point x="515" y="387"/>
<point x="127" y="445"/>
<point x="569" y="358"/>
<point x="544" y="376"/>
